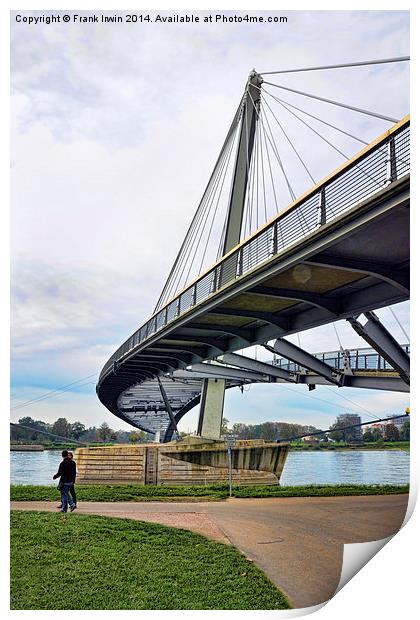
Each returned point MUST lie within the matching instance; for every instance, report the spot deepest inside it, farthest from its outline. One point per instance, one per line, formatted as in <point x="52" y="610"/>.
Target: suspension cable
<point x="231" y="130"/>
<point x="400" y="325"/>
<point x="197" y="244"/>
<point x="337" y="103"/>
<point x="202" y="223"/>
<point x="271" y="172"/>
<point x="289" y="141"/>
<point x="338" y="337"/>
<point x="338" y="393"/>
<point x="330" y="144"/>
<point x="217" y="206"/>
<point x="262" y="174"/>
<point x="276" y="153"/>
<point x="346" y="133"/>
<point x="179" y="266"/>
<point x="57" y="392"/>
<point x="349" y="64"/>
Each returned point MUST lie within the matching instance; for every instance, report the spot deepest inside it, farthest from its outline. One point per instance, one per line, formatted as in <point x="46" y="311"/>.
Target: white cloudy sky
<point x="115" y="129"/>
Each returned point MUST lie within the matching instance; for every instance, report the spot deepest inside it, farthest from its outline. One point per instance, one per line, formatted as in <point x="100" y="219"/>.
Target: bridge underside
<point x="353" y="264"/>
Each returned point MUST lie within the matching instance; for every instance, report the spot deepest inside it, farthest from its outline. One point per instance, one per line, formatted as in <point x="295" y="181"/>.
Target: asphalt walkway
<point x="297" y="542"/>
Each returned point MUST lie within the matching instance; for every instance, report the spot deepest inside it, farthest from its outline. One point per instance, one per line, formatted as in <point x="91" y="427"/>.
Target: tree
<point x="377" y="434"/>
<point x="347" y="434"/>
<point x="269" y="431"/>
<point x="368" y="436"/>
<point x="90" y="434"/>
<point x="61" y="427"/>
<point x="105" y="432"/>
<point x="27" y="421"/>
<point x="240" y="429"/>
<point x="336" y="434"/>
<point x="76" y="430"/>
<point x="224" y="428"/>
<point x="391" y="433"/>
<point x="405" y="431"/>
<point x="137" y="436"/>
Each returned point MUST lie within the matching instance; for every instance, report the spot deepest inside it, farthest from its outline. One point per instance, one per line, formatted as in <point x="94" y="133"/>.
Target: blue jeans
<point x="65" y="497"/>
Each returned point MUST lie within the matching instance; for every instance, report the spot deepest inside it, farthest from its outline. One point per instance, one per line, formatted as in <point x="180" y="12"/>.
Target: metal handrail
<point x="383" y="162"/>
<point x="355" y="359"/>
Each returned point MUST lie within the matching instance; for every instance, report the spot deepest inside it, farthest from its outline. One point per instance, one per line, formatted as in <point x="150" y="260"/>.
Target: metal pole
<point x="230" y="470"/>
<point x="168" y="408"/>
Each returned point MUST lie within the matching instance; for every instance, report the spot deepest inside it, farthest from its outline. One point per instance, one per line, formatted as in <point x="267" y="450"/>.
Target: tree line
<point x="284" y="431"/>
<point x="269" y="431"/>
<point x="72" y="431"/>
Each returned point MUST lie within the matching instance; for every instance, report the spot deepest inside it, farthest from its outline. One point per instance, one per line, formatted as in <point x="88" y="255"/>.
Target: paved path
<point x="298" y="541"/>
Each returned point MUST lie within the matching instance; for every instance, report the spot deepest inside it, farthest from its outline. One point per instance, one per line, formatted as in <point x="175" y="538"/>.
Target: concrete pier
<point x="192" y="461"/>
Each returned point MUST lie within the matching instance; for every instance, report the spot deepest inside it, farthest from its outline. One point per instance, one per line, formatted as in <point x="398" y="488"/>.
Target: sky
<point x="115" y="130"/>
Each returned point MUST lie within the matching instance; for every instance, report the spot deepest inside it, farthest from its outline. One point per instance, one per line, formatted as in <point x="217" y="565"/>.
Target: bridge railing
<point x="380" y="164"/>
<point x="356" y="359"/>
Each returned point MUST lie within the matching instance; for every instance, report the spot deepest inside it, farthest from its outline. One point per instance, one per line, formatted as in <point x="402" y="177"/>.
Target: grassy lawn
<point x="321" y="490"/>
<point x="121" y="493"/>
<point x="89" y="562"/>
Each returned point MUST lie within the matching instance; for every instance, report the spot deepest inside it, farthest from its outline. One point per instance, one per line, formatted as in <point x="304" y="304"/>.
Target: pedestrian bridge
<point x="338" y="251"/>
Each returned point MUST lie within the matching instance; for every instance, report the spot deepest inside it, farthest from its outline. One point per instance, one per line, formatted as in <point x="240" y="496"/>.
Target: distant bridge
<point x="339" y="251"/>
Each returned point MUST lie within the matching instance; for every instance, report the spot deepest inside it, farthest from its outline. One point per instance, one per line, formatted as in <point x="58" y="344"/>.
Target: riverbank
<point x="133" y="493"/>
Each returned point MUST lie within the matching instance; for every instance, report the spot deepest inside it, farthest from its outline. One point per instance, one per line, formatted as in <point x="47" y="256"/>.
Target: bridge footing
<point x="191" y="461"/>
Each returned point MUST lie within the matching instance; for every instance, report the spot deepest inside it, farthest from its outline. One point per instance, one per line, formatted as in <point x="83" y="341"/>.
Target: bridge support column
<point x="211" y="408"/>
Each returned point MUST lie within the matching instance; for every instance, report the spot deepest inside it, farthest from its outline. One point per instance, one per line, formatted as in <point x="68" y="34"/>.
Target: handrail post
<point x="322" y="209"/>
<point x="274" y="241"/>
<point x="194" y="295"/>
<point x="239" y="265"/>
<point x="391" y="162"/>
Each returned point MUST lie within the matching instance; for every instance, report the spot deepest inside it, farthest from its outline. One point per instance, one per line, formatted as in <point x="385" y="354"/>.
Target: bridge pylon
<point x="213" y="390"/>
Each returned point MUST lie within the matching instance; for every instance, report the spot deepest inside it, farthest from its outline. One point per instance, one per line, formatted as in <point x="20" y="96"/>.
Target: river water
<point x="344" y="467"/>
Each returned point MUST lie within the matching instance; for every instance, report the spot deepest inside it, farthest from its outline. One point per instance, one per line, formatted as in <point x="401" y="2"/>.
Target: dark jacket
<point x="66" y="471"/>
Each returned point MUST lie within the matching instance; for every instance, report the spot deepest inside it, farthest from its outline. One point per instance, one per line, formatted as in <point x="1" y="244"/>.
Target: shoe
<point x="73" y="507"/>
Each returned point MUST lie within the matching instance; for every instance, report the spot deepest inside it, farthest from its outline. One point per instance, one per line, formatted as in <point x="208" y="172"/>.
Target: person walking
<point x="67" y="474"/>
<point x="72" y="489"/>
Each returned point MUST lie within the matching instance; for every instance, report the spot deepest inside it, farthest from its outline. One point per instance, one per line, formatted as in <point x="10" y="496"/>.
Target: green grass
<point x="89" y="562"/>
<point x="321" y="490"/>
<point x="120" y="493"/>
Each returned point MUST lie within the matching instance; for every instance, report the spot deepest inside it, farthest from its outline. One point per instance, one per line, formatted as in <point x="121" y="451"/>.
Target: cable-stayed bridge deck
<point x="353" y="257"/>
<point x="338" y="251"/>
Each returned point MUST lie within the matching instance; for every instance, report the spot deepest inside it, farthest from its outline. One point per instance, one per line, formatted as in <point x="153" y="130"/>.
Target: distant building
<point x="379" y="427"/>
<point x="348" y="419"/>
<point x="310" y="439"/>
<point x="399" y="421"/>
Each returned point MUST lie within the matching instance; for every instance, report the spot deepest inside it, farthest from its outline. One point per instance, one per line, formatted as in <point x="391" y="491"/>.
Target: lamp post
<point x="230" y="441"/>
